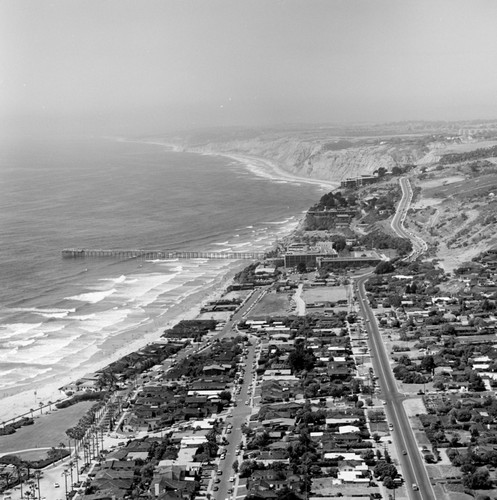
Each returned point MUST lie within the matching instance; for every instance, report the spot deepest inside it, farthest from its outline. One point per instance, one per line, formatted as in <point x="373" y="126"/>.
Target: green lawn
<point x="47" y="431"/>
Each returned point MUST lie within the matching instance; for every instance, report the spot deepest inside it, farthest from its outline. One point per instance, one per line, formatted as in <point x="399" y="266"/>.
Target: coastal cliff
<point x="315" y="156"/>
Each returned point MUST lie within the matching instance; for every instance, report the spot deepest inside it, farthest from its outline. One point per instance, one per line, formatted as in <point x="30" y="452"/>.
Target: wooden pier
<point x="124" y="254"/>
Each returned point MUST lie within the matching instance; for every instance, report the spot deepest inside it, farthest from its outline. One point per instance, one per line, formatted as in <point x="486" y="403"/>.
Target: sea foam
<point x="93" y="297"/>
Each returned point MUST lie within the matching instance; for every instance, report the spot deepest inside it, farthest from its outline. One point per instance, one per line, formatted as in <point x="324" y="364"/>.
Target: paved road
<point x="412" y="462"/>
<point x="239" y="416"/>
<point x="419" y="246"/>
<point x="403" y="437"/>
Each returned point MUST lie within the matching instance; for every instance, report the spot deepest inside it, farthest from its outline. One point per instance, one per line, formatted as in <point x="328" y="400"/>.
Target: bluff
<point x="312" y="155"/>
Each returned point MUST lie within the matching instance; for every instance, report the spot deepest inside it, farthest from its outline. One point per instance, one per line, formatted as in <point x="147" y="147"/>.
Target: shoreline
<point x="19" y="404"/>
<point x="281" y="174"/>
<point x="268" y="166"/>
<point x="16" y="405"/>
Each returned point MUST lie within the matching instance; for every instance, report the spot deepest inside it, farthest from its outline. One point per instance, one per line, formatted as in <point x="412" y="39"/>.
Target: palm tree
<point x="77" y="458"/>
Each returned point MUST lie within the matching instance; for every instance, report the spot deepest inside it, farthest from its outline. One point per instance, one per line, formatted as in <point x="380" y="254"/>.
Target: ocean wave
<point x="154" y="261"/>
<point x="39" y="310"/>
<point x="53" y="315"/>
<point x="223" y="243"/>
<point x="93" y="297"/>
<point x="20" y="343"/>
<point x="121" y="279"/>
<point x="239" y="245"/>
<point x="83" y="317"/>
<point x="278" y="223"/>
<point x="14" y="329"/>
<point x="22" y="374"/>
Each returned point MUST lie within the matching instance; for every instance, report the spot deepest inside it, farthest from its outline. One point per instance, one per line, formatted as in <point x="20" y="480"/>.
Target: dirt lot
<point x="324" y="293"/>
<point x="274" y="304"/>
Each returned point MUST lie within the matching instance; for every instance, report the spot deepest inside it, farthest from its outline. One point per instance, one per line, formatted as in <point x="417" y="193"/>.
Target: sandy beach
<point x="261" y="167"/>
<point x="135" y="338"/>
<point x="268" y="169"/>
<point x="130" y="341"/>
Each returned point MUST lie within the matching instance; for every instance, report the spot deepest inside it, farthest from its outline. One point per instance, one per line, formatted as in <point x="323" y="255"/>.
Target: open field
<point x="216" y="315"/>
<point x="436" y="183"/>
<point x="469" y="146"/>
<point x="47" y="431"/>
<point x="324" y="293"/>
<point x="273" y="304"/>
<point x="32" y="455"/>
<point x="465" y="188"/>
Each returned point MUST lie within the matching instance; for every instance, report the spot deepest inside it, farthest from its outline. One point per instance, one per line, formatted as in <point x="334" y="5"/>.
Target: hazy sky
<point x="141" y="66"/>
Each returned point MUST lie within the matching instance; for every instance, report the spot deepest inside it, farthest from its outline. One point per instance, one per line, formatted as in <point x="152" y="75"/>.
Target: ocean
<point x="61" y="318"/>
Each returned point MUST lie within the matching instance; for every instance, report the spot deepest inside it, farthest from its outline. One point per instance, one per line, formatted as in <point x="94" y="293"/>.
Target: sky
<point x="148" y="66"/>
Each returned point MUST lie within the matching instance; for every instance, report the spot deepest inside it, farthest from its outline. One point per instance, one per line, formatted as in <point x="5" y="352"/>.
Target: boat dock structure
<point x="158" y="254"/>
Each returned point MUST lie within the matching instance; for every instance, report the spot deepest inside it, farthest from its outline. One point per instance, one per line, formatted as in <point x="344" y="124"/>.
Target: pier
<point x="123" y="254"/>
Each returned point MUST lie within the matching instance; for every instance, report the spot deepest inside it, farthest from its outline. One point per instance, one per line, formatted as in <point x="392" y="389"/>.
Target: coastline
<point x="133" y="340"/>
<point x="254" y="164"/>
<point x="262" y="167"/>
<point x="136" y="338"/>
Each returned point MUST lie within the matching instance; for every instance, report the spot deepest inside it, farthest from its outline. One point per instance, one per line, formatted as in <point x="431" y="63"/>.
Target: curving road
<point x="419" y="245"/>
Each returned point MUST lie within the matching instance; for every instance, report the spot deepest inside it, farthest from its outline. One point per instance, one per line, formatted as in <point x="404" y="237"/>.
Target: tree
<point x="287" y="494"/>
<point x="301" y="359"/>
<point x="247" y="467"/>
<point x="476" y="383"/>
<point x="479" y="480"/>
<point x="428" y="364"/>
<point x="395" y="300"/>
<point x="383" y="469"/>
<point x="235" y="466"/>
<point x="301" y="267"/>
<point x="384" y="267"/>
<point x="388" y="482"/>
<point x="226" y="395"/>
<point x="368" y="456"/>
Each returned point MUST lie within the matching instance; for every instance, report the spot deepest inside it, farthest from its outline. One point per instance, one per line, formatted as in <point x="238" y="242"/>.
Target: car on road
<point x="404" y="452"/>
<point x="216" y="488"/>
<point x="219" y="472"/>
<point x="217" y="480"/>
<point x="56" y="485"/>
<point x="415" y="487"/>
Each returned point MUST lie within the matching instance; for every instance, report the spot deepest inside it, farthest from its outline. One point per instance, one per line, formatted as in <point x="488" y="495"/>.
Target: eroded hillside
<point x="320" y="154"/>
